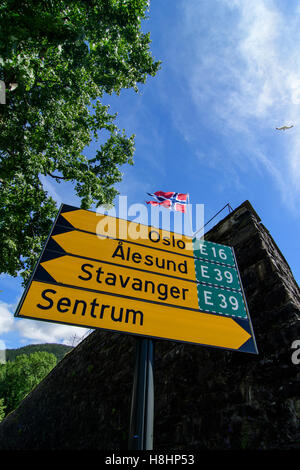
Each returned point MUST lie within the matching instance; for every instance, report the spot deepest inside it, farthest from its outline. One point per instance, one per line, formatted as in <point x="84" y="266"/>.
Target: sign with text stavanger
<point x="99" y="271"/>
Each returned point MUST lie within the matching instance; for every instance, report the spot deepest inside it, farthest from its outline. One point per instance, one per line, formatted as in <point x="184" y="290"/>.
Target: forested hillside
<point x="23" y="369"/>
<point x="59" y="350"/>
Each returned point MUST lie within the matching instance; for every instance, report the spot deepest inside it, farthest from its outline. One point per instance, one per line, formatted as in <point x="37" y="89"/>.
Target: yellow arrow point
<point x="209" y="329"/>
<point x="83" y="220"/>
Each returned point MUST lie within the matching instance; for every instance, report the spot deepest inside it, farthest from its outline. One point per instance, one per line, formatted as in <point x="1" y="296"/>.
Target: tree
<point x="57" y="60"/>
<point x="19" y="377"/>
<point x="2" y="409"/>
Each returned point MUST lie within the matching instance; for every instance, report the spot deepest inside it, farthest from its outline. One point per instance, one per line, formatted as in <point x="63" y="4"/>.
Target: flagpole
<point x="188" y="214"/>
<point x="227" y="205"/>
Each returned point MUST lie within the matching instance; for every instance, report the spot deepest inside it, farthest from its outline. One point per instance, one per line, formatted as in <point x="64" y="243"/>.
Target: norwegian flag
<point x="170" y="200"/>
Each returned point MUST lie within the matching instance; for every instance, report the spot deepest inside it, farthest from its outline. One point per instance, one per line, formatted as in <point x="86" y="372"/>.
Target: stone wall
<point x="205" y="398"/>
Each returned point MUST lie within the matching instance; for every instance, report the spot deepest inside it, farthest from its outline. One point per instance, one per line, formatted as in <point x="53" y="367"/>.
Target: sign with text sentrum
<point x="99" y="271"/>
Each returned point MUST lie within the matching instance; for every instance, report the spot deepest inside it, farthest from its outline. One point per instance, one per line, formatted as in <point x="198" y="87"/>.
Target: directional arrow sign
<point x="156" y="286"/>
<point x="118" y="280"/>
<point x="123" y="253"/>
<point x="121" y="229"/>
<point x="94" y="310"/>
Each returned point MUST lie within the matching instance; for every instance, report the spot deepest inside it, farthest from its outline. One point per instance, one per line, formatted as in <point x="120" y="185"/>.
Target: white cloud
<point x="270" y="88"/>
<point x="262" y="84"/>
<point x="6" y="318"/>
<point x="241" y="67"/>
<point x="44" y="332"/>
<point x="34" y="331"/>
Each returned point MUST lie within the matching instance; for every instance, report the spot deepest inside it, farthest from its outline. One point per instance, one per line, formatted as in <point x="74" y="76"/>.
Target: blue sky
<point x="206" y="125"/>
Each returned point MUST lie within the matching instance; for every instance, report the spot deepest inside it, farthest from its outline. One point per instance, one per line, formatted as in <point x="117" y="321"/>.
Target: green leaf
<point x="64" y="57"/>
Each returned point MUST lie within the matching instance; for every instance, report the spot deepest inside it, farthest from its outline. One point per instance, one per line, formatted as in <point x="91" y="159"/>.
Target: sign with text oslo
<point x="103" y="272"/>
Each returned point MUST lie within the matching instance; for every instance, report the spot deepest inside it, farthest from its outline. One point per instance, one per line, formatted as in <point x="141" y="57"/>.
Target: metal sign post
<point x="142" y="404"/>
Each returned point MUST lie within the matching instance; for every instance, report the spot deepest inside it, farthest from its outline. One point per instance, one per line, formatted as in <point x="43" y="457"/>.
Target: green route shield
<point x="217" y="274"/>
<point x="225" y="302"/>
<point x="213" y="252"/>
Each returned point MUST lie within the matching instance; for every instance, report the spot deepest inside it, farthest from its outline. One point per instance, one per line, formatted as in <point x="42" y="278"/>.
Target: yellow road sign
<point x="86" y="277"/>
<point x="94" y="275"/>
<point x="126" y="254"/>
<point x="122" y="229"/>
<point x="79" y="307"/>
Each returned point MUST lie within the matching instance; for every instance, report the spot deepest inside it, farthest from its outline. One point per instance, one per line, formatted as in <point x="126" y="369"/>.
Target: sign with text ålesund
<point x="99" y="271"/>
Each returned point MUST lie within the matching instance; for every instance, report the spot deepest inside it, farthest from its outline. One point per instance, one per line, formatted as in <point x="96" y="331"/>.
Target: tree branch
<point x="53" y="176"/>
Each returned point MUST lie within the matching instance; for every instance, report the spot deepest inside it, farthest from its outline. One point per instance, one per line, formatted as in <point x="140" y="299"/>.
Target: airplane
<point x="283" y="128"/>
